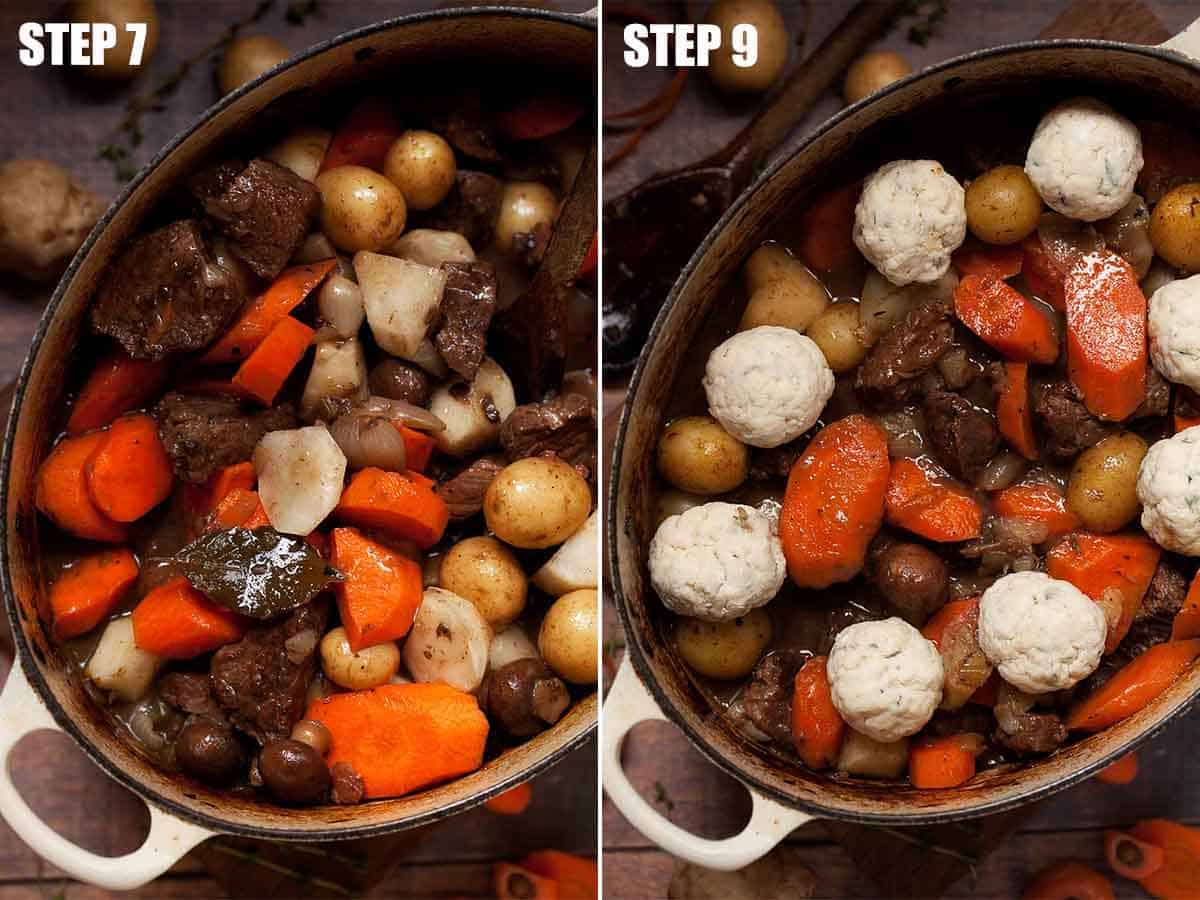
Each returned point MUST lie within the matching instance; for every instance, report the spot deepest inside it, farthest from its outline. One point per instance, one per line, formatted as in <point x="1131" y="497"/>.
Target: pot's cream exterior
<point x="184" y="812"/>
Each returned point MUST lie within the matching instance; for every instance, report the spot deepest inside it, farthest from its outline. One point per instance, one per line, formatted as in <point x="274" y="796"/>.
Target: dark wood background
<point x="50" y="114"/>
<point x="848" y="861"/>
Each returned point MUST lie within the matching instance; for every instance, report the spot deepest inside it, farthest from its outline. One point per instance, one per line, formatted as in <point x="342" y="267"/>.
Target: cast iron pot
<point x="42" y="692"/>
<point x="653" y="682"/>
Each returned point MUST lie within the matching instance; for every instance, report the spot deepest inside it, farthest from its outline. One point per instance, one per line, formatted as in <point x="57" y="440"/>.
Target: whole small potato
<point x="836" y="331"/>
<point x="1102" y="489"/>
<point x="119" y="13"/>
<point x="246" y="58"/>
<point x="484" y="571"/>
<point x="45" y="213"/>
<point x="697" y="455"/>
<point x="302" y="151"/>
<point x="360" y="208"/>
<point x="770" y="262"/>
<point x="524" y="205"/>
<point x="872" y="72"/>
<point x="422" y="165"/>
<point x="536" y="502"/>
<point x="1003" y="206"/>
<point x="1175" y="227"/>
<point x="782" y="291"/>
<point x="368" y="668"/>
<point x="569" y="634"/>
<point x="672" y="503"/>
<point x="723" y="650"/>
<point x="774" y="44"/>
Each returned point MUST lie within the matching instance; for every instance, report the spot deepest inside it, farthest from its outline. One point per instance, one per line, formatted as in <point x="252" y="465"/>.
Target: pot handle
<point x="1186" y="42"/>
<point x="628" y="704"/>
<point x="169" y="838"/>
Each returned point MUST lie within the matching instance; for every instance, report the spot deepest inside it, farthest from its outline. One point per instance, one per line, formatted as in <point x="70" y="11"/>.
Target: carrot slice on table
<point x="1123" y="771"/>
<point x="130" y="473"/>
<point x="578" y="877"/>
<point x="943" y="762"/>
<point x="403" y="504"/>
<point x="817" y="727"/>
<point x="418" y="447"/>
<point x="539" y="116"/>
<point x="118" y="384"/>
<point x="266" y="311"/>
<point x="517" y="883"/>
<point x="1005" y="319"/>
<point x="1106" y="334"/>
<point x="176" y="621"/>
<point x="1133" y="686"/>
<point x="1177" y="877"/>
<point x="1131" y="858"/>
<point x="1040" y="504"/>
<point x="62" y="491"/>
<point x="834" y="502"/>
<point x="1014" y="414"/>
<point x="381" y="593"/>
<point x="1104" y="565"/>
<point x="827" y="230"/>
<point x="928" y="502"/>
<point x="364" y="137"/>
<point x="89" y="589"/>
<point x="1187" y="620"/>
<point x="512" y="802"/>
<point x="404" y="737"/>
<point x="1069" y="881"/>
<point x="977" y="258"/>
<point x="1043" y="273"/>
<point x="268" y="367"/>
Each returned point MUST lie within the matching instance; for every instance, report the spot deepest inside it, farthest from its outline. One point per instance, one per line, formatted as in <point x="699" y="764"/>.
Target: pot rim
<point x="637" y="647"/>
<point x="22" y="650"/>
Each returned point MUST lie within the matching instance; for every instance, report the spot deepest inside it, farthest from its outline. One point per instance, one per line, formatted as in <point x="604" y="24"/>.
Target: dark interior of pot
<point x="394" y="52"/>
<point x="927" y="113"/>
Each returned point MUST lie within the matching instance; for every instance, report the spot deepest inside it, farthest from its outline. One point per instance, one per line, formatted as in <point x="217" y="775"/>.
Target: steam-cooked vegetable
<point x="370" y="441"/>
<point x="401" y="299"/>
<point x="422" y="165"/>
<point x="696" y="454"/>
<point x="340" y="304"/>
<point x="569" y="634"/>
<point x="449" y="641"/>
<point x="339" y="372"/>
<point x="724" y="650"/>
<point x="369" y="667"/>
<point x="869" y="758"/>
<point x="259" y="573"/>
<point x="430" y="247"/>
<point x="300" y="475"/>
<point x="473" y="415"/>
<point x="360" y="209"/>
<point x="525" y="208"/>
<point x="510" y="645"/>
<point x="484" y="571"/>
<point x="573" y="565"/>
<point x="302" y="152"/>
<point x="119" y="665"/>
<point x="883" y="304"/>
<point x="537" y="502"/>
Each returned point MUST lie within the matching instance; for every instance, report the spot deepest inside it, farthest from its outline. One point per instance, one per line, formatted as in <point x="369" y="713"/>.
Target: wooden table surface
<point x="659" y="760"/>
<point x="49" y="114"/>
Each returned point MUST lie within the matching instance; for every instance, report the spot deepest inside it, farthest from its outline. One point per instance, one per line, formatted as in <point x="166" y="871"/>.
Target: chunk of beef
<point x="204" y="434"/>
<point x="563" y="426"/>
<point x="1066" y="426"/>
<point x="890" y="374"/>
<point x="463" y="493"/>
<point x="963" y="436"/>
<point x="166" y="294"/>
<point x="265" y="211"/>
<point x="1158" y="396"/>
<point x="767" y="699"/>
<point x="262" y="681"/>
<point x="775" y="463"/>
<point x="1165" y="595"/>
<point x="348" y="787"/>
<point x="467" y="127"/>
<point x="1021" y="729"/>
<point x="468" y="303"/>
<point x="192" y="693"/>
<point x="470" y="208"/>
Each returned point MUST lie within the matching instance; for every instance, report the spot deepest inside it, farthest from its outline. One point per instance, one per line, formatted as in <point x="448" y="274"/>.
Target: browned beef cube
<point x="562" y="426"/>
<point x="468" y="302"/>
<point x="265" y="211"/>
<point x="166" y="294"/>
<point x="470" y="208"/>
<point x="463" y="494"/>
<point x="204" y="434"/>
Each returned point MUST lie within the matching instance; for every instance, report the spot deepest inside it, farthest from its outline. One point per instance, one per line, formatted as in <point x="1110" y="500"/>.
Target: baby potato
<point x="569" y="634"/>
<point x="484" y="571"/>
<point x="536" y="502"/>
<point x="118" y="13"/>
<point x="723" y="650"/>
<point x="368" y="668"/>
<point x="773" y="45"/>
<point x="360" y="209"/>
<point x="422" y="165"/>
<point x="1003" y="206"/>
<point x="836" y="332"/>
<point x="872" y="72"/>
<point x="524" y="205"/>
<point x="791" y="300"/>
<point x="246" y="58"/>
<point x="697" y="455"/>
<point x="1175" y="227"/>
<point x="1102" y="489"/>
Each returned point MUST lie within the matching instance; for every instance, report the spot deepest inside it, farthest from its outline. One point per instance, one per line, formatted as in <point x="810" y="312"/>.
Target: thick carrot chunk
<point x="418" y="447"/>
<point x="62" y="491"/>
<point x="1177" y="877"/>
<point x="1005" y="319"/>
<point x="176" y="621"/>
<point x="927" y="501"/>
<point x="89" y="590"/>
<point x="512" y="802"/>
<point x="977" y="258"/>
<point x="943" y="762"/>
<point x="578" y="877"/>
<point x="262" y="375"/>
<point x="817" y="727"/>
<point x="130" y="473"/>
<point x="401" y="503"/>
<point x="1040" y="504"/>
<point x="381" y="593"/>
<point x="1187" y="620"/>
<point x="365" y="136"/>
<point x="1134" y="686"/>
<point x="118" y="384"/>
<point x="1013" y="411"/>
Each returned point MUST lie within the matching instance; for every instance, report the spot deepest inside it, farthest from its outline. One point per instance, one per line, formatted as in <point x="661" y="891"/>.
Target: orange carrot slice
<point x="512" y="802"/>
<point x="926" y="501"/>
<point x="418" y="447"/>
<point x="130" y="473"/>
<point x="1014" y="414"/>
<point x="382" y="590"/>
<point x="176" y="621"/>
<point x="1187" y="620"/>
<point x="266" y="369"/>
<point x="578" y="877"/>
<point x="817" y="727"/>
<point x="511" y="882"/>
<point x="235" y="510"/>
<point x="62" y="491"/>
<point x="1123" y="771"/>
<point x="1069" y="881"/>
<point x="89" y="590"/>
<point x="977" y="258"/>
<point x="1040" y="504"/>
<point x="365" y="136"/>
<point x="539" y="116"/>
<point x="1133" y="686"/>
<point x="1131" y="858"/>
<point x="1043" y="273"/>
<point x="1179" y="874"/>
<point x="403" y="504"/>
<point x="1005" y="319"/>
<point x="943" y="762"/>
<point x="826" y="241"/>
<point x="118" y="384"/>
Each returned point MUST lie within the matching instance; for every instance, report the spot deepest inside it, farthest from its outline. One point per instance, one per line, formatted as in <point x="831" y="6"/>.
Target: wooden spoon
<point x="651" y="231"/>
